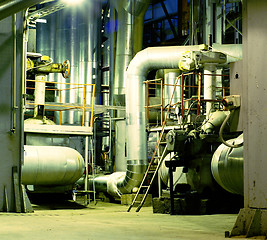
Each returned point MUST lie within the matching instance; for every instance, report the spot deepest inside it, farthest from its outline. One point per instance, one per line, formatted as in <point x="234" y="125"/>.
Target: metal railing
<point x="199" y="99"/>
<point x="61" y="106"/>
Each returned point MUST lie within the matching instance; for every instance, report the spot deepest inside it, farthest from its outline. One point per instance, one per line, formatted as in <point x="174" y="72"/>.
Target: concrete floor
<point x="109" y="221"/>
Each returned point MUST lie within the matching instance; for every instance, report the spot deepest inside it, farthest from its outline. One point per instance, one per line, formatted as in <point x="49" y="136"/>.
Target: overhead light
<point x="72" y="2"/>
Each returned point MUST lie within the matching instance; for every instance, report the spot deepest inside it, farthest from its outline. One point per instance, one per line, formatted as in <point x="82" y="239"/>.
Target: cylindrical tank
<point x="50" y="165"/>
<point x="227" y="166"/>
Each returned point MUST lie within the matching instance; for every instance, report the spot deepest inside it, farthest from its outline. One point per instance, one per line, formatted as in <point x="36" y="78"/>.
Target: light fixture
<point x="72" y="2"/>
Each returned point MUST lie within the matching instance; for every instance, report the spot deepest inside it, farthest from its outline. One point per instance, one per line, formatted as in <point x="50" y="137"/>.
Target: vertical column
<point x="252" y="219"/>
<point x="11" y="127"/>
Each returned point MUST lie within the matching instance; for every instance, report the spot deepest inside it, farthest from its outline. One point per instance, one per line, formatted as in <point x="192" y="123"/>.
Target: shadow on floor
<point x="54" y="202"/>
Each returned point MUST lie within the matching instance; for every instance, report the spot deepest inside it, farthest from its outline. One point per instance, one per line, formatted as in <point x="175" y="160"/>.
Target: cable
<point x="221" y="134"/>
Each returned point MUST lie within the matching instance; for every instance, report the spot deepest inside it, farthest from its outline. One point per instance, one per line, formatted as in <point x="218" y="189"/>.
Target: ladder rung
<point x="141" y="186"/>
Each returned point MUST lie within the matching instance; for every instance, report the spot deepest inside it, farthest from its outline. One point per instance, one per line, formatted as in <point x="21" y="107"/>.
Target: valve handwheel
<point x="66" y="68"/>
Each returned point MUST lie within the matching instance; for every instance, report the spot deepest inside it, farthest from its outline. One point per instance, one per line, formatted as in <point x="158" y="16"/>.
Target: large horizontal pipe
<point x="51" y="165"/>
<point x="9" y="7"/>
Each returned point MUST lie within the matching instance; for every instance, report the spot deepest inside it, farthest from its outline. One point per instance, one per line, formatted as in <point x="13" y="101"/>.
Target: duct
<point x="227" y="166"/>
<point x="127" y="43"/>
<point x="135" y="7"/>
<point x="50" y="165"/>
<point x="9" y="7"/>
<point x="144" y="61"/>
<point x="233" y="52"/>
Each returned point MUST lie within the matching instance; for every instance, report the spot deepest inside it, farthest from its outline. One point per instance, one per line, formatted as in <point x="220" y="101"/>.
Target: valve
<point x="66" y="69"/>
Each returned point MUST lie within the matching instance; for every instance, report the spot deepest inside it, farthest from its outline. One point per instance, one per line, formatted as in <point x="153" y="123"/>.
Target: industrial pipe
<point x="51" y="165"/>
<point x="144" y="61"/>
<point x="39" y="93"/>
<point x="227" y="166"/>
<point x="209" y="86"/>
<point x="9" y="7"/>
<point x="129" y="40"/>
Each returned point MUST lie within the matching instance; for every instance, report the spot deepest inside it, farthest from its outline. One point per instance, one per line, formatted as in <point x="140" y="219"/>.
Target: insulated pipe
<point x="209" y="86"/>
<point x="39" y="93"/>
<point x="232" y="51"/>
<point x="227" y="166"/>
<point x="144" y="61"/>
<point x="9" y="7"/>
<point x="51" y="165"/>
<point x="129" y="40"/>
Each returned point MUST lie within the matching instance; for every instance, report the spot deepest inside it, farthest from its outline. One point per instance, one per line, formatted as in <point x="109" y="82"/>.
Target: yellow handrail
<point x="66" y="105"/>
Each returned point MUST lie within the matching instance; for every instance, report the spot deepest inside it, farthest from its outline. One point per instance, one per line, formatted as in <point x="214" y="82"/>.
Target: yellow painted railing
<point x="69" y="86"/>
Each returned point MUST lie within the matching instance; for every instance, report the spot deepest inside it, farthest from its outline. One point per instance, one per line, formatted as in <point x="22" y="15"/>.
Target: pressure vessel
<point x="51" y="165"/>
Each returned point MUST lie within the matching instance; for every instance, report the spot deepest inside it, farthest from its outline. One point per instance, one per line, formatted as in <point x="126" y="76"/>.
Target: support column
<point x="12" y="195"/>
<point x="252" y="219"/>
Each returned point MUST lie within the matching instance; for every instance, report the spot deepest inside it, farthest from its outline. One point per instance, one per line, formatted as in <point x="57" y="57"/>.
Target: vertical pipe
<point x="199" y="94"/>
<point x="147" y="101"/>
<point x="209" y="86"/>
<point x="182" y="97"/>
<point x="83" y="116"/>
<point x="39" y="93"/>
<point x="92" y="109"/>
<point x="161" y="101"/>
<point x="86" y="149"/>
<point x="59" y="97"/>
<point x="14" y="73"/>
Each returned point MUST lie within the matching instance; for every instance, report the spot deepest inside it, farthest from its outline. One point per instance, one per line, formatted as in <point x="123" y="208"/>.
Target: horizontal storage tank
<point x="227" y="166"/>
<point x="51" y="165"/>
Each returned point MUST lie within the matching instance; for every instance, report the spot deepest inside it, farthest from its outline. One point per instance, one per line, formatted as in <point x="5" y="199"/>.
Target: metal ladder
<point x="165" y="152"/>
<point x="142" y="186"/>
<point x="86" y="190"/>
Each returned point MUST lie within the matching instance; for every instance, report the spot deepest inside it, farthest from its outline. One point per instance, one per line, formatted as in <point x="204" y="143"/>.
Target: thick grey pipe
<point x="129" y="40"/>
<point x="144" y="61"/>
<point x="7" y="8"/>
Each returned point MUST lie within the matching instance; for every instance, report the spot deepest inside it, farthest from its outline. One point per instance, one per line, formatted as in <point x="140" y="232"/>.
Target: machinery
<point x="102" y="116"/>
